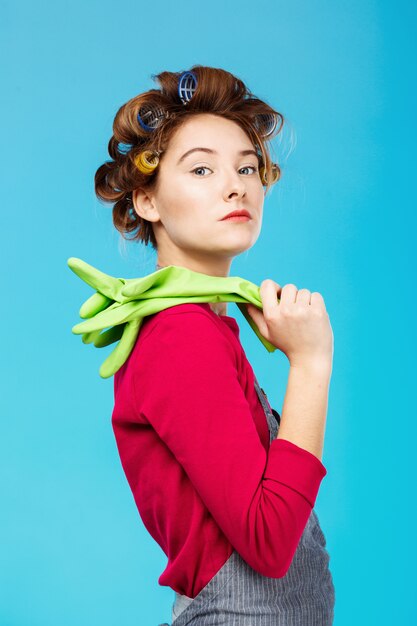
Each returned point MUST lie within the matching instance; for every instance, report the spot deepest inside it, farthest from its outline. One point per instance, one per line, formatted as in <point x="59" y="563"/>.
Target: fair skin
<point x="190" y="198"/>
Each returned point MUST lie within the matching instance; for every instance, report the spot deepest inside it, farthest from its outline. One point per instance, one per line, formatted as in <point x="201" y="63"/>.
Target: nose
<point x="235" y="185"/>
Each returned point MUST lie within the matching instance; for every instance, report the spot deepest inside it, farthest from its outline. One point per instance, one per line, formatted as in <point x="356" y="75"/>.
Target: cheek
<point x="185" y="203"/>
<point x="184" y="197"/>
<point x="184" y="219"/>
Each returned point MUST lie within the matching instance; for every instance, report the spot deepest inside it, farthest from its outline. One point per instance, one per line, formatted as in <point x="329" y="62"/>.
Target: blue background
<point x="341" y="221"/>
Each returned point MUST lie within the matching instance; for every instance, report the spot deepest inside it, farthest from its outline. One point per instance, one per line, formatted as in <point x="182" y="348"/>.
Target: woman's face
<point x="195" y="190"/>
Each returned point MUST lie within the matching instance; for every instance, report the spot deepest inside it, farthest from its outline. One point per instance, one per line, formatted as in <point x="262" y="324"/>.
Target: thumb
<point x="253" y="311"/>
<point x="256" y="315"/>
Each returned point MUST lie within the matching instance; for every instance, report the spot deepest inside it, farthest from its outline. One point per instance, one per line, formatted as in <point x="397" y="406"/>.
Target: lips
<point x="236" y="213"/>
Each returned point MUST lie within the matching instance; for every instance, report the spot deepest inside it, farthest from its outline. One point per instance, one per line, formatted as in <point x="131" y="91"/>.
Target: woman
<point x="222" y="482"/>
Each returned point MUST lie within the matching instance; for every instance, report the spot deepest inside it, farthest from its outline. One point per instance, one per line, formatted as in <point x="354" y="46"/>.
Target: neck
<point x="217" y="266"/>
<point x="220" y="308"/>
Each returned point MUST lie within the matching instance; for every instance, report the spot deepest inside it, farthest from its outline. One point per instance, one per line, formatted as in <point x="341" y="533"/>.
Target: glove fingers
<point x="114" y="315"/>
<point x="109" y="336"/>
<point x="96" y="303"/>
<point x="90" y="337"/>
<point x="121" y="352"/>
<point x="108" y="285"/>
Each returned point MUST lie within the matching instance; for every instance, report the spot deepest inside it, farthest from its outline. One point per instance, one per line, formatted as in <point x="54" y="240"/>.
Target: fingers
<point x="317" y="300"/>
<point x="111" y="316"/>
<point x="288" y="294"/>
<point x="306" y="297"/>
<point x="270" y="293"/>
<point x="122" y="350"/>
<point x="109" y="336"/>
<point x="273" y="295"/>
<point x="90" y="337"/>
<point x="107" y="285"/>
<point x="95" y="303"/>
<point x="276" y="299"/>
<point x="303" y="296"/>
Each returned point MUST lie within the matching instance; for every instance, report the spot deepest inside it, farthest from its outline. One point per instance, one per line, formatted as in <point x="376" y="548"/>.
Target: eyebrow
<point x="242" y="152"/>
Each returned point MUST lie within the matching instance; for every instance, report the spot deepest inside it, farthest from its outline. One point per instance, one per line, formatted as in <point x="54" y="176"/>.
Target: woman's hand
<point x="295" y="321"/>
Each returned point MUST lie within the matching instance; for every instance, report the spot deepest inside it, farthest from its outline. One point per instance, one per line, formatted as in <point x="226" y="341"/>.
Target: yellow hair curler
<point x="147" y="161"/>
<point x="263" y="174"/>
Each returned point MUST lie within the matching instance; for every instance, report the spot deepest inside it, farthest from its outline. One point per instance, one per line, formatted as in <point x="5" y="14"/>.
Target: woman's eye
<point x="202" y="167"/>
<point x="250" y="166"/>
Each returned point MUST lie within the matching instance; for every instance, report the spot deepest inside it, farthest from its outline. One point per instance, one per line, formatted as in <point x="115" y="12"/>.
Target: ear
<point x="144" y="204"/>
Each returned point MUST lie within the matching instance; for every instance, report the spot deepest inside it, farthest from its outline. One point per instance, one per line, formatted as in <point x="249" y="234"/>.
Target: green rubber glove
<point x="120" y="304"/>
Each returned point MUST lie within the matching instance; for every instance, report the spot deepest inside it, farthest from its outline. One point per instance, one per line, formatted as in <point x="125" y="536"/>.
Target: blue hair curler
<point x="266" y="123"/>
<point x="150" y="117"/>
<point x="187" y="84"/>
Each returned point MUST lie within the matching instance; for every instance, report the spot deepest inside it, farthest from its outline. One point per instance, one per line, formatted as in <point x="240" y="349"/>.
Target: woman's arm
<point x="183" y="380"/>
<point x="303" y="418"/>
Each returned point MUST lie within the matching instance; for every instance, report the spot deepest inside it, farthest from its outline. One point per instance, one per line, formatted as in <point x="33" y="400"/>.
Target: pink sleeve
<point x="186" y="386"/>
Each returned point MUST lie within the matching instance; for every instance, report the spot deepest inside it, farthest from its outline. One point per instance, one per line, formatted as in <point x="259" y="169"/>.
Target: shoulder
<point x="180" y="320"/>
<point x="183" y="344"/>
<point x="188" y="334"/>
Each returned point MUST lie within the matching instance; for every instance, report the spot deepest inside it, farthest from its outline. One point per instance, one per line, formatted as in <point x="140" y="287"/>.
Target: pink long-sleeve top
<point x="193" y="441"/>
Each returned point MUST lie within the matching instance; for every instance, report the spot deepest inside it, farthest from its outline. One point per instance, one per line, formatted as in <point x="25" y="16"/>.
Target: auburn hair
<point x="218" y="92"/>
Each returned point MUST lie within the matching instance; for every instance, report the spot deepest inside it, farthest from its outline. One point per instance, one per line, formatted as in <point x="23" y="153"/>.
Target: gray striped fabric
<point x="239" y="596"/>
